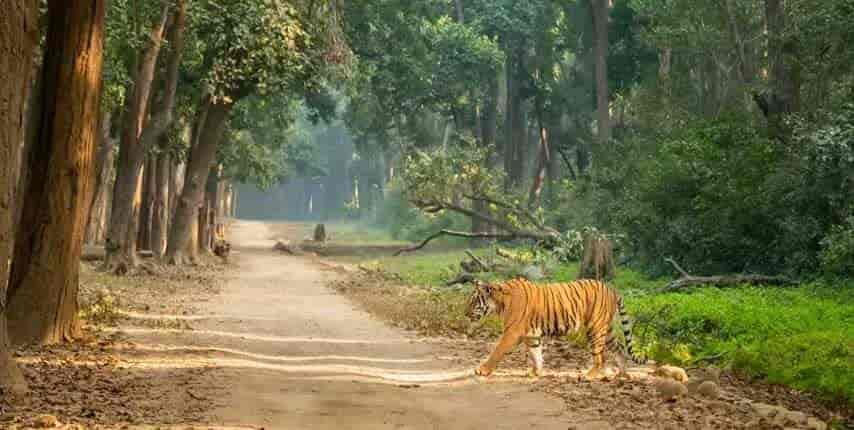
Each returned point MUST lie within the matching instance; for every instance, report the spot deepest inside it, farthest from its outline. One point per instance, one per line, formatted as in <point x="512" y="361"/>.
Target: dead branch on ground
<point x="454" y="233"/>
<point x="687" y="279"/>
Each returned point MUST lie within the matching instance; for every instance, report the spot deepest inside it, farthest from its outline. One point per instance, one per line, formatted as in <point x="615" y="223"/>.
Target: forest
<point x="696" y="155"/>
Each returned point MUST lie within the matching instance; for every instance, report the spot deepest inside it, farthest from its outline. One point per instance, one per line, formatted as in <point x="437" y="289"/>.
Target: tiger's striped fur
<point x="529" y="312"/>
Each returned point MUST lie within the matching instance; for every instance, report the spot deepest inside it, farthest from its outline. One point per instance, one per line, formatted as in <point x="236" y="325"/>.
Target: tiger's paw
<point x="595" y="374"/>
<point x="483" y="370"/>
<point x="535" y="373"/>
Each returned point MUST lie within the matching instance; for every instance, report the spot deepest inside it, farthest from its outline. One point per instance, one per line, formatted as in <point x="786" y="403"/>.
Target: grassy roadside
<point x="801" y="337"/>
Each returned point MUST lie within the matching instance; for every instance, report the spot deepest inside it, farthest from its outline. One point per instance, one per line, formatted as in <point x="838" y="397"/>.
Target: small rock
<point x="765" y="410"/>
<point x="668" y="389"/>
<point x="46" y="421"/>
<point x="795" y="417"/>
<point x="672" y="372"/>
<point x="707" y="374"/>
<point x="816" y="424"/>
<point x="709" y="390"/>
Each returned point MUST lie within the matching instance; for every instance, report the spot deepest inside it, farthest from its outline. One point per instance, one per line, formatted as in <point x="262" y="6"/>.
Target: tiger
<point x="530" y="312"/>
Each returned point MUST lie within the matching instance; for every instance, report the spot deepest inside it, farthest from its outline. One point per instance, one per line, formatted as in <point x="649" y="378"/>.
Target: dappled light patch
<point x="91" y="384"/>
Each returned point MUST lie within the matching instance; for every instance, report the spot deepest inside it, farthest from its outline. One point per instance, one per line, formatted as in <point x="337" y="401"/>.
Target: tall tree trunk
<point x="540" y="174"/>
<point x="160" y="212"/>
<point x="599" y="10"/>
<point x="489" y="130"/>
<point x="198" y="168"/>
<point x="32" y="123"/>
<point x="149" y="178"/>
<point x="42" y="303"/>
<point x="122" y="237"/>
<point x="512" y="105"/>
<point x="515" y="123"/>
<point x="176" y="185"/>
<point x="206" y="230"/>
<point x="103" y="175"/>
<point x="784" y="76"/>
<point x="18" y="38"/>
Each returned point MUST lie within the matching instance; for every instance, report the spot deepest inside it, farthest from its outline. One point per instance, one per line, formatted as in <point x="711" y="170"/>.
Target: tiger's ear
<point x="480" y="285"/>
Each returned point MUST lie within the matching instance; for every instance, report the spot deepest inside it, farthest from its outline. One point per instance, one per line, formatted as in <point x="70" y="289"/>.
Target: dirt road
<point x="288" y="353"/>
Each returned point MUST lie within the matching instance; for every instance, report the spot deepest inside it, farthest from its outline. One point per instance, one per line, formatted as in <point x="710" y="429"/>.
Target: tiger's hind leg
<point x="534" y="347"/>
<point x="613" y="347"/>
<point x="597" y="341"/>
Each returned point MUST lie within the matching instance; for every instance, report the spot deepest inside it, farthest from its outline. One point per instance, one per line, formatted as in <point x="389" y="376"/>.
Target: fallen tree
<point x="433" y="185"/>
<point x="687" y="280"/>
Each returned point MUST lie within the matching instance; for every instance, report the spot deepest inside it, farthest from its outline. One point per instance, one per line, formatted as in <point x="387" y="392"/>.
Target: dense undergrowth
<point x="802" y="337"/>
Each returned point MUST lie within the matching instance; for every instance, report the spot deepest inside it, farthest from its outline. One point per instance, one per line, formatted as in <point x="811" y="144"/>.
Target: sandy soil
<point x="275" y="347"/>
<point x="290" y="353"/>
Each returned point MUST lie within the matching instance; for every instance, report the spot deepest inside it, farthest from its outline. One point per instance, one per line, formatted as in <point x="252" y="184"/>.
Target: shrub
<point x="721" y="195"/>
<point x="406" y="222"/>
<point x="837" y="256"/>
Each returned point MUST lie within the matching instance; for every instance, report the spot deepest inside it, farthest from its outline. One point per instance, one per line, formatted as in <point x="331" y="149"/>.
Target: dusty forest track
<point x="278" y="348"/>
<point x="286" y="352"/>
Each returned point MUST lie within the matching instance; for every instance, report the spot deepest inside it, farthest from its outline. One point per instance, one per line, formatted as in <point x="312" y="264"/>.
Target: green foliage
<point x="260" y="45"/>
<point x="404" y="221"/>
<point x="719" y="195"/>
<point x="837" y="254"/>
<point x="800" y="337"/>
<point x="438" y="175"/>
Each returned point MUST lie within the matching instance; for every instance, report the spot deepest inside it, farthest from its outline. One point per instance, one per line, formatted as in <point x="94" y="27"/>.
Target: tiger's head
<point x="481" y="302"/>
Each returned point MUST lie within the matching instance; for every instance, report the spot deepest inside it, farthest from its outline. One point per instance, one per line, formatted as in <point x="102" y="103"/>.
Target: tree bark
<point x="784" y="75"/>
<point x="206" y="226"/>
<point x="42" y="304"/>
<point x="489" y="130"/>
<point x="599" y="11"/>
<point x="160" y="211"/>
<point x="149" y="178"/>
<point x="198" y="168"/>
<point x="104" y="167"/>
<point x="515" y="124"/>
<point x="18" y="39"/>
<point x="121" y="241"/>
<point x="176" y="185"/>
<point x="540" y="175"/>
<point x="33" y="119"/>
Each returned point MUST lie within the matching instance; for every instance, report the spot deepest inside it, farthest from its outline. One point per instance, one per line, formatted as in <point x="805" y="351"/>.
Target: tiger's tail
<point x="627" y="333"/>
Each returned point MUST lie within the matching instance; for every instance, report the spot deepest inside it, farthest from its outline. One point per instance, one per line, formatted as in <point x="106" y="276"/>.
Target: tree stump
<point x="597" y="259"/>
<point x="320" y="233"/>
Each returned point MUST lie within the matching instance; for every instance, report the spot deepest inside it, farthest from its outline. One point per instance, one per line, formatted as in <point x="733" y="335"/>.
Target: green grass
<point x="801" y="337"/>
<point x="358" y="234"/>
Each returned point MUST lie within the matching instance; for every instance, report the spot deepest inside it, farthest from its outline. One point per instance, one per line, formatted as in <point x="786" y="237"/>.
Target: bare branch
<point x="516" y="210"/>
<point x="722" y="280"/>
<point x="456" y="234"/>
<point x="478" y="261"/>
<point x="677" y="267"/>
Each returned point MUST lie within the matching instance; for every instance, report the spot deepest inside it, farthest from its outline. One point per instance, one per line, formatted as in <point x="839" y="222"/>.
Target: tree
<point x="42" y="304"/>
<point x="599" y="11"/>
<point x="263" y="46"/>
<point x="18" y="38"/>
<point x="139" y="134"/>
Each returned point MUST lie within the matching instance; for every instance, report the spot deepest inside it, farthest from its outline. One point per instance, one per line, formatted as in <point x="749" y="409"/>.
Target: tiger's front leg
<point x="507" y="342"/>
<point x="535" y="355"/>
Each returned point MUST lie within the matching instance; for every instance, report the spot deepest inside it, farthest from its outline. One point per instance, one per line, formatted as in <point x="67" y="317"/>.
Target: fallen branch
<point x="503" y="253"/>
<point x="479" y="262"/>
<point x="462" y="278"/>
<point x="441" y="233"/>
<point x="286" y="247"/>
<point x="721" y="280"/>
